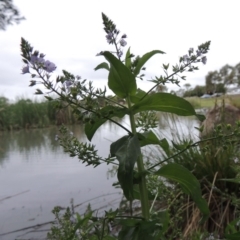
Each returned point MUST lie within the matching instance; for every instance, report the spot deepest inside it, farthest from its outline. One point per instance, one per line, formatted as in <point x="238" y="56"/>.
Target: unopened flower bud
<point x="36" y="53"/>
<point x="190" y="51"/>
<point x="42" y="55"/>
<point x="204" y="60"/>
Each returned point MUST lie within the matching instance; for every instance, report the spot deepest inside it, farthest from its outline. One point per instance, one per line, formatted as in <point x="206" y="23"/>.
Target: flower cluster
<point x="198" y="57"/>
<point x="34" y="59"/>
<point x="112" y="35"/>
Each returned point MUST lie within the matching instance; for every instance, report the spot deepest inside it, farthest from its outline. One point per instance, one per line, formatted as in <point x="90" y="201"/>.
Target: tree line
<point x="217" y="81"/>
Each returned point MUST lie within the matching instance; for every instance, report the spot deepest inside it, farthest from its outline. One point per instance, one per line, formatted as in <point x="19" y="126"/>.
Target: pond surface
<point x="36" y="175"/>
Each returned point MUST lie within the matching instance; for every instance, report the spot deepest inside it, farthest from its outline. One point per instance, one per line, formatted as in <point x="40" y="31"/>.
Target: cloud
<point x="71" y="35"/>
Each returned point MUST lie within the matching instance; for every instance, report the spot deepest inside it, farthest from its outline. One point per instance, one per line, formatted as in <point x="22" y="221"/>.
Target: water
<point x="36" y="175"/>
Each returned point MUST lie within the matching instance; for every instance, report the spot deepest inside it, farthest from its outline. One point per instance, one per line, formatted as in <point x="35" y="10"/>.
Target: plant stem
<point x="140" y="166"/>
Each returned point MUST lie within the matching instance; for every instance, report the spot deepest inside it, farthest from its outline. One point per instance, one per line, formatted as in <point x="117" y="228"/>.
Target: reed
<point x="216" y="165"/>
<point x="26" y="113"/>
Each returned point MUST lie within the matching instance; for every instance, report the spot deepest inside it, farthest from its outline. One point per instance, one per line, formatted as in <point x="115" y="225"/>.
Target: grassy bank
<point x="210" y="102"/>
<point x="26" y="113"/>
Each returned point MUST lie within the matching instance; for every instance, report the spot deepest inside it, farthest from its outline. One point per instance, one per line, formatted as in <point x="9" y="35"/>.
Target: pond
<point x="36" y="175"/>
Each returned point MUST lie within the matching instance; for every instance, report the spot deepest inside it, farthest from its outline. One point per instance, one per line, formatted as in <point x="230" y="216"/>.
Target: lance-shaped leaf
<point x="149" y="137"/>
<point x="104" y="114"/>
<point x="233" y="236"/>
<point x="102" y="65"/>
<point x="165" y="102"/>
<point x="120" y="79"/>
<point x="139" y="95"/>
<point x="128" y="61"/>
<point x="144" y="59"/>
<point x="127" y="150"/>
<point x="188" y="183"/>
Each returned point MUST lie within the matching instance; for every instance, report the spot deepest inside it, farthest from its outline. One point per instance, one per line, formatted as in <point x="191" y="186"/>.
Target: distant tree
<point x="187" y="86"/>
<point x="221" y="79"/>
<point x="173" y="92"/>
<point x="197" y="91"/>
<point x="161" y="88"/>
<point x="9" y="14"/>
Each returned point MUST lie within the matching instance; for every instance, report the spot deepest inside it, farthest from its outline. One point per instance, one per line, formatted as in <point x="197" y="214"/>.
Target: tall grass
<point x="26" y="113"/>
<point x="211" y="163"/>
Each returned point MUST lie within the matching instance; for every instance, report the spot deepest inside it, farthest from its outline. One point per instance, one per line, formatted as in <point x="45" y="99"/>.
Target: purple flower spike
<point x="123" y="43"/>
<point x="49" y="66"/>
<point x="25" y="70"/>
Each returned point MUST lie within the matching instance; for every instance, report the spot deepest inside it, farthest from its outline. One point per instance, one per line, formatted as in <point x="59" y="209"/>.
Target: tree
<point x="161" y="88"/>
<point x="187" y="86"/>
<point x="226" y="76"/>
<point x="9" y="14"/>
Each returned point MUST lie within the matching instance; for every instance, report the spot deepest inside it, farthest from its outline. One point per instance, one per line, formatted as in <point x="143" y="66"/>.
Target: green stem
<point x="140" y="166"/>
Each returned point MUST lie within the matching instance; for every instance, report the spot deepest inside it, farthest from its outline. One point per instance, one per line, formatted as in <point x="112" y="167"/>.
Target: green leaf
<point x="165" y="102"/>
<point x="233" y="180"/>
<point x="188" y="183"/>
<point x="134" y="229"/>
<point x="163" y="217"/>
<point x="234" y="236"/>
<point x="120" y="79"/>
<point x="149" y="137"/>
<point x="139" y="95"/>
<point x="200" y="117"/>
<point x="38" y="91"/>
<point x="144" y="59"/>
<point x="109" y="111"/>
<point x="136" y="193"/>
<point x="232" y="227"/>
<point x="127" y="150"/>
<point x="128" y="61"/>
<point x="102" y="65"/>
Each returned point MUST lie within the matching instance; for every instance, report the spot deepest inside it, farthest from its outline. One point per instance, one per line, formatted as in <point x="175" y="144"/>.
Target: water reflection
<point x="36" y="174"/>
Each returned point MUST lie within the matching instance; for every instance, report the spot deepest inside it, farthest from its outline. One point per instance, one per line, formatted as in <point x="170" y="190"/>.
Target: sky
<point x="71" y="33"/>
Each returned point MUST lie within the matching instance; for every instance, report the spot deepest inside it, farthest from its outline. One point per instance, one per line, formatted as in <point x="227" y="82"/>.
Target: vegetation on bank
<point x="199" y="103"/>
<point x="26" y="113"/>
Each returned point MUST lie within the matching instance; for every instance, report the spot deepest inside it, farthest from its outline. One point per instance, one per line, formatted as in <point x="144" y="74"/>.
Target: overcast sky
<point x="70" y="34"/>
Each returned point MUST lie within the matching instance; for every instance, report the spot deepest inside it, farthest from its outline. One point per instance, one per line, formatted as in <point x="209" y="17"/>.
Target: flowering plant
<point x="94" y="108"/>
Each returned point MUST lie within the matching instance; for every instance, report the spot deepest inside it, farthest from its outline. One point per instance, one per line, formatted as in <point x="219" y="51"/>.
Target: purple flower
<point x="123" y="43"/>
<point x="37" y="60"/>
<point x="119" y="53"/>
<point x="185" y="58"/>
<point x="124" y="36"/>
<point x="109" y="37"/>
<point x="198" y="53"/>
<point x="25" y="69"/>
<point x="49" y="66"/>
<point x="204" y="60"/>
<point x="33" y="59"/>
